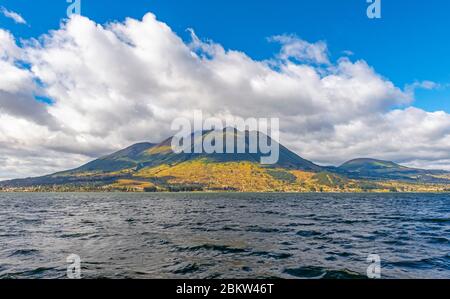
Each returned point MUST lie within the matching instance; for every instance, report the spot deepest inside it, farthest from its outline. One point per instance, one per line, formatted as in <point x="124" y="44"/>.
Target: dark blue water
<point x="224" y="235"/>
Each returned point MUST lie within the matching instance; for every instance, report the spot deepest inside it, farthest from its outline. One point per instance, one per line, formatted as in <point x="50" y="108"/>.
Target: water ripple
<point x="224" y="235"/>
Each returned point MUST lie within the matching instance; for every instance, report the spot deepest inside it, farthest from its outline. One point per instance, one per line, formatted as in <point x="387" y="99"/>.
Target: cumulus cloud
<point x="116" y="84"/>
<point x="303" y="51"/>
<point x="13" y="16"/>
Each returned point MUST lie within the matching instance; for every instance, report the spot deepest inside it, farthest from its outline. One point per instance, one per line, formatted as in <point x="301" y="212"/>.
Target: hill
<point x="379" y="169"/>
<point x="156" y="167"/>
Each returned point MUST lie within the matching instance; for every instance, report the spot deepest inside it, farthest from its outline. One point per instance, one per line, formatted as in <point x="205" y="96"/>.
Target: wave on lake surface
<point x="224" y="235"/>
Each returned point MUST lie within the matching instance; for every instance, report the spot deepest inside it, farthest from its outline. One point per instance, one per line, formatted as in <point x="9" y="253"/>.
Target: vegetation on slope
<point x="149" y="167"/>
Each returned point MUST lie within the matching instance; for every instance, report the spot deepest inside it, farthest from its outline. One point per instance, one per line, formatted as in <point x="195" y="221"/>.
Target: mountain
<point x="126" y="158"/>
<point x="129" y="164"/>
<point x="379" y="169"/>
<point x="147" y="154"/>
<point x="156" y="167"/>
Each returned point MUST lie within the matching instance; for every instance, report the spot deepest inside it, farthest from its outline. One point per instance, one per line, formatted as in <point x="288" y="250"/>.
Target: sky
<point x="344" y="85"/>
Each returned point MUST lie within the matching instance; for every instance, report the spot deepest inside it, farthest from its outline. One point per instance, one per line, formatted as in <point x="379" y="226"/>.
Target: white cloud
<point x="13" y="15"/>
<point x="121" y="83"/>
<point x="348" y="53"/>
<point x="293" y="47"/>
<point x="428" y="85"/>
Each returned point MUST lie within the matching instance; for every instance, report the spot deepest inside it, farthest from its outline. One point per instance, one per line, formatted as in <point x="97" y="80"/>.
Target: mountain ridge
<point x="375" y="168"/>
<point x="149" y="166"/>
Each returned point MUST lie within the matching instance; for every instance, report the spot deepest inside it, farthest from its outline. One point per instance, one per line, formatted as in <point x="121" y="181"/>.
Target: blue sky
<point x="409" y="43"/>
<point x="90" y="90"/>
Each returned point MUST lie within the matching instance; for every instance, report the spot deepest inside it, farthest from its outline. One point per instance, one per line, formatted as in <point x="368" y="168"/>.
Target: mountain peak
<point x="366" y="163"/>
<point x="148" y="166"/>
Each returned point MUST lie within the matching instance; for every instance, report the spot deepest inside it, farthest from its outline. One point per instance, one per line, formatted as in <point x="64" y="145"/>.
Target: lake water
<point x="121" y="235"/>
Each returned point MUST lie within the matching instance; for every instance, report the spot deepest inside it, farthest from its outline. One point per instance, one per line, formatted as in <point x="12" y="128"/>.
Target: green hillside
<point x="379" y="169"/>
<point x="155" y="167"/>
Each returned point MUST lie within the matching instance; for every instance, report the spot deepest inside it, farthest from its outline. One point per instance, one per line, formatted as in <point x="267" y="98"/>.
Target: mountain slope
<point x="156" y="167"/>
<point x="379" y="169"/>
<point x="127" y="158"/>
<point x="127" y="163"/>
<point x="163" y="154"/>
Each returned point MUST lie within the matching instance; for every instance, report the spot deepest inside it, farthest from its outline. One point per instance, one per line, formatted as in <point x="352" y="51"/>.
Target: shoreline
<point x="224" y="192"/>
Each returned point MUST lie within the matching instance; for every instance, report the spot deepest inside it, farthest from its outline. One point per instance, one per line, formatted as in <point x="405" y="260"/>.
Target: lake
<point x="226" y="235"/>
